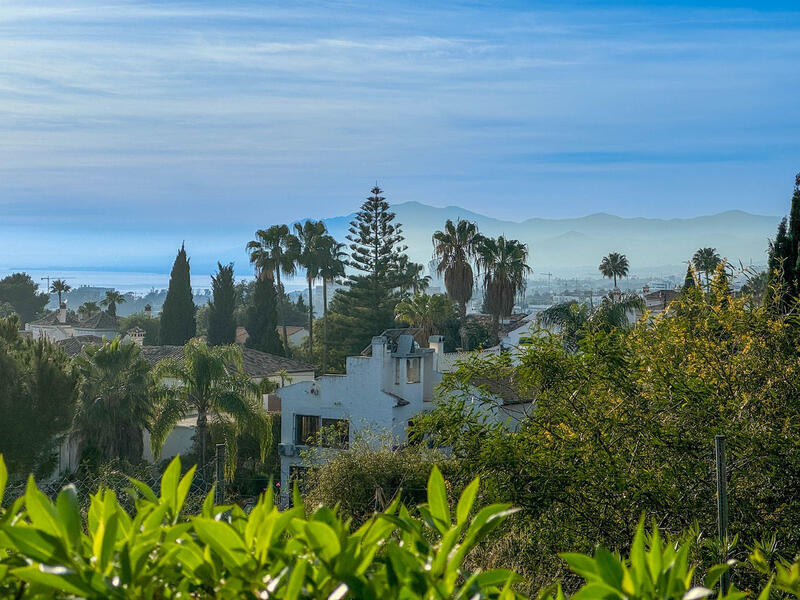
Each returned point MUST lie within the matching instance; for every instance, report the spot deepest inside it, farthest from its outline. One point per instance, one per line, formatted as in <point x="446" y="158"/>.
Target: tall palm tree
<point x="331" y="266"/>
<point x="503" y="264"/>
<point x="59" y="286"/>
<point x="87" y="309"/>
<point x="274" y="252"/>
<point x="115" y="406"/>
<point x="706" y="260"/>
<point x="113" y="297"/>
<point x="209" y="382"/>
<point x="311" y="237"/>
<point x="424" y="311"/>
<point x="455" y="248"/>
<point x="614" y="265"/>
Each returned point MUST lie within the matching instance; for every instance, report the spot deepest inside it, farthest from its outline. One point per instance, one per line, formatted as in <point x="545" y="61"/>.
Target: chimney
<point x="378" y="346"/>
<point x="148" y="311"/>
<point x="437" y="343"/>
<point x="137" y="336"/>
<point x="62" y="313"/>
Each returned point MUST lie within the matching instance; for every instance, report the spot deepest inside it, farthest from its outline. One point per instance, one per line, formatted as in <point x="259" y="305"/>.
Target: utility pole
<point x="722" y="505"/>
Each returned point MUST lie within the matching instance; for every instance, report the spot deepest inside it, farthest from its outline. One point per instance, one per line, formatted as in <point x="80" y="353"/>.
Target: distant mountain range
<point x="576" y="245"/>
<point x="564" y="247"/>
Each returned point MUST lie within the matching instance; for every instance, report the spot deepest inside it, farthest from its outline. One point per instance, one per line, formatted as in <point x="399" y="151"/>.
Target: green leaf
<point x="144" y="489"/>
<point x="40" y="510"/>
<point x="69" y="515"/>
<point x="183" y="489"/>
<point x="57" y="578"/>
<point x="223" y="540"/>
<point x="169" y="481"/>
<point x="35" y="544"/>
<point x="437" y="497"/>
<point x="714" y="574"/>
<point x="583" y="565"/>
<point x="323" y="539"/>
<point x="466" y="501"/>
<point x="296" y="580"/>
<point x="3" y="479"/>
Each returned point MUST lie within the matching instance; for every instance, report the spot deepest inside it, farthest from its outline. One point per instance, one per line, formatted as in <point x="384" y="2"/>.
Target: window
<point x="335" y="433"/>
<point x="397" y="371"/>
<point x="412" y="370"/>
<point x="306" y="428"/>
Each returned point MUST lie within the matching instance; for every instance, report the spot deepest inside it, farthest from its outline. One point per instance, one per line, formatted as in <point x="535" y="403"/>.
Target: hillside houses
<point x="62" y="324"/>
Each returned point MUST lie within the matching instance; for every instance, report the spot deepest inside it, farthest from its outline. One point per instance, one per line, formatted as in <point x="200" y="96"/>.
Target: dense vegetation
<point x="622" y="427"/>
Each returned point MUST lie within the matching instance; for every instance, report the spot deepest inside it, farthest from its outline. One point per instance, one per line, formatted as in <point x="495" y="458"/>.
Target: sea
<point x="139" y="283"/>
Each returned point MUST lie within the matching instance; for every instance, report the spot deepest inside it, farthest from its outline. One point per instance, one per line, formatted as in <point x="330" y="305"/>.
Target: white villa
<point x="381" y="392"/>
<point x="61" y="325"/>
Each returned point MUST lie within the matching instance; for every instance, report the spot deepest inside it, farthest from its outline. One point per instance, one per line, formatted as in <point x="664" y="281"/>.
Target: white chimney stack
<point x="62" y="313"/>
<point x="437" y="343"/>
<point x="137" y="336"/>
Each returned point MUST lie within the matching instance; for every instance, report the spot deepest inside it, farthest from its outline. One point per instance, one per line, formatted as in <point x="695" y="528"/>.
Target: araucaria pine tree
<point x="784" y="255"/>
<point x="262" y="318"/>
<point x="367" y="306"/>
<point x="221" y="320"/>
<point x="178" y="324"/>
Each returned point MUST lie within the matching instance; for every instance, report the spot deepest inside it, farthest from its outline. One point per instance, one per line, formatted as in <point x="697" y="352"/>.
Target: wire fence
<point x="118" y="480"/>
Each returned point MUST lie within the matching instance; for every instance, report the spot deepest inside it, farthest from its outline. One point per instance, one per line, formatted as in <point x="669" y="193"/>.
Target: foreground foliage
<point x="47" y="549"/>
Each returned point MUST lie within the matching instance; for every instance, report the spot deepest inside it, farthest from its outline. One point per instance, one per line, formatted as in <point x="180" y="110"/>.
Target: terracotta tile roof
<point x="254" y="362"/>
<point x="101" y="320"/>
<point x="74" y="345"/>
<point x="290" y="329"/>
<point x="51" y="318"/>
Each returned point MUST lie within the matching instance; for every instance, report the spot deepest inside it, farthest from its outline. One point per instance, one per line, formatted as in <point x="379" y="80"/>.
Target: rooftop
<point x="254" y="362"/>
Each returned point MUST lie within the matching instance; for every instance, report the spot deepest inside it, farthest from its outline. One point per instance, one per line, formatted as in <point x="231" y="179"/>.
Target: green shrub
<point x="49" y="550"/>
<point x="658" y="570"/>
<point x="367" y="477"/>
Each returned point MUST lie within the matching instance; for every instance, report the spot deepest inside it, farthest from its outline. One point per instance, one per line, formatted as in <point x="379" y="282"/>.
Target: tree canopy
<point x="20" y="291"/>
<point x="221" y="319"/>
<point x="178" y="323"/>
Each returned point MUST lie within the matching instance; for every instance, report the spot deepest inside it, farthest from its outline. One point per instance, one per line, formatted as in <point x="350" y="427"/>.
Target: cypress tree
<point x="221" y="320"/>
<point x="784" y="255"/>
<point x="262" y="318"/>
<point x="689" y="281"/>
<point x="178" y="324"/>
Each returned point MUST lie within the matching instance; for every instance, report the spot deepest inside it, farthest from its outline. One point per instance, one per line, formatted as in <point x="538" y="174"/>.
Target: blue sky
<point x="160" y="120"/>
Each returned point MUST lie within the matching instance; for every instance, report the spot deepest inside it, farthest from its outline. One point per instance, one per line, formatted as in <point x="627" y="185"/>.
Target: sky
<point x="138" y="125"/>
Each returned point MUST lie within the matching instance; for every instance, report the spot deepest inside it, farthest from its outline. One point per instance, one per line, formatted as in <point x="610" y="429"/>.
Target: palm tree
<point x="706" y="260"/>
<point x="275" y="251"/>
<point x="59" y="286"/>
<point x="87" y="309"/>
<point x="115" y="406"/>
<point x="411" y="276"/>
<point x="614" y="265"/>
<point x="575" y="319"/>
<point x="504" y="267"/>
<point x="113" y="297"/>
<point x="311" y="237"/>
<point x="209" y="382"/>
<point x="331" y="266"/>
<point x="570" y="318"/>
<point x="455" y="248"/>
<point x="424" y="311"/>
